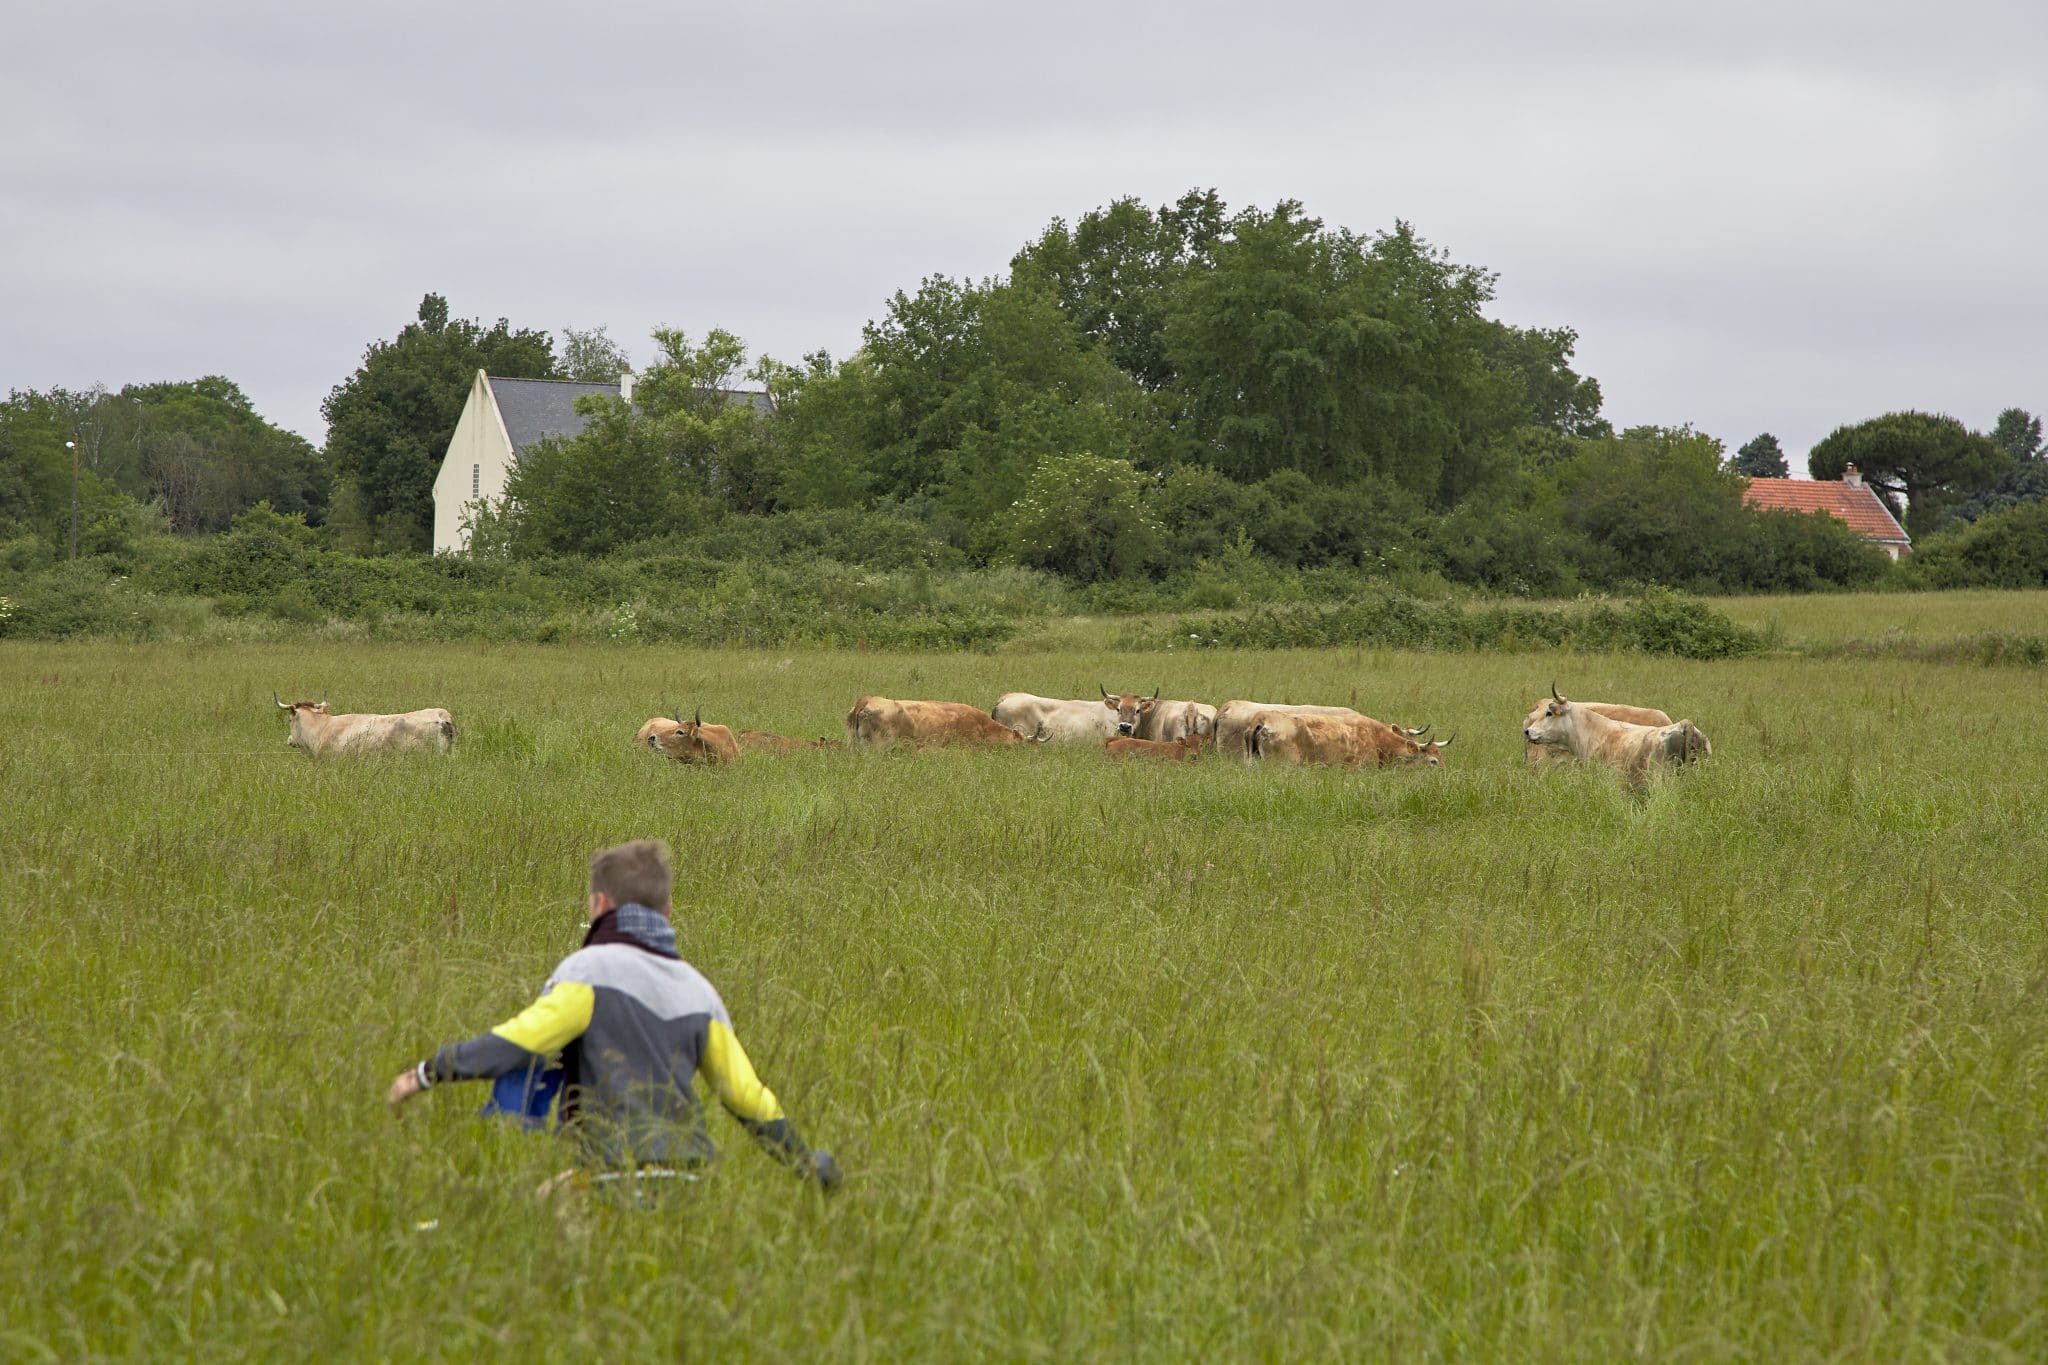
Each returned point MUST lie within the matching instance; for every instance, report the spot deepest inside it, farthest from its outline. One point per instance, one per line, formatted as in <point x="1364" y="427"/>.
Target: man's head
<point x="631" y="874"/>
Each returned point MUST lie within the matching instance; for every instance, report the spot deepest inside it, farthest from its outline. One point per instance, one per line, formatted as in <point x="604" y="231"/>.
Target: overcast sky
<point x="1757" y="217"/>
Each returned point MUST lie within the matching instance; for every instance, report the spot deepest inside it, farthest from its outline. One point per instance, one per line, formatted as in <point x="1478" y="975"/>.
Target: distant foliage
<point x="1761" y="457"/>
<point x="2007" y="549"/>
<point x="1657" y="623"/>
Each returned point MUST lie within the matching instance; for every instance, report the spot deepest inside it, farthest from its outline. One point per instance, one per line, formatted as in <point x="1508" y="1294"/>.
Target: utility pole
<point x="72" y="446"/>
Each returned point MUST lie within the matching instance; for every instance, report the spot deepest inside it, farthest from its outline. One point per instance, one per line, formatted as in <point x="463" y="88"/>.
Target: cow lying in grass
<point x="1539" y="754"/>
<point x="689" y="741"/>
<point x="1636" y="750"/>
<point x="1232" y="724"/>
<point x="317" y="733"/>
<point x="876" y="722"/>
<point x="1344" y="741"/>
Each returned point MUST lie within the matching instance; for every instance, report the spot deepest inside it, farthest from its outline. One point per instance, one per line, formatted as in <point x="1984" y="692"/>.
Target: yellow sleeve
<point x="552" y="1022"/>
<point x="732" y="1077"/>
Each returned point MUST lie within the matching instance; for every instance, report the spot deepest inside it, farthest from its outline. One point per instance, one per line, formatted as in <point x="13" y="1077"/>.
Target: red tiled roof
<point x="1858" y="505"/>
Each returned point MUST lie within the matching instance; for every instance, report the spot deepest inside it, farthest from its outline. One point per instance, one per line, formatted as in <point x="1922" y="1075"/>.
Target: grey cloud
<point x="1756" y="216"/>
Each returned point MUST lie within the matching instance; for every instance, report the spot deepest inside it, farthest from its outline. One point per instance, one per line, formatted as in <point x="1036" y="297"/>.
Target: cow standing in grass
<point x="689" y="741"/>
<point x="877" y="722"/>
<point x="318" y="733"/>
<point x="1539" y="754"/>
<point x="1342" y="741"/>
<point x="1636" y="750"/>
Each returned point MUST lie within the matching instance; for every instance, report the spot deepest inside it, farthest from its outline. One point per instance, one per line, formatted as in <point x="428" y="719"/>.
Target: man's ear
<point x="601" y="905"/>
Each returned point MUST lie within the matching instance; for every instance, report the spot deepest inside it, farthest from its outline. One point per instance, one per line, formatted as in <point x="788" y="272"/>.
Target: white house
<point x="502" y="418"/>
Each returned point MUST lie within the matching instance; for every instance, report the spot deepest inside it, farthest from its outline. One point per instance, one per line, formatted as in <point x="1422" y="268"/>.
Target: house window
<point x="476" y="481"/>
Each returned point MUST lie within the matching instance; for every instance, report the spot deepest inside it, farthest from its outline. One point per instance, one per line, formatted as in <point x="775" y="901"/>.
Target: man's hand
<point x="403" y="1088"/>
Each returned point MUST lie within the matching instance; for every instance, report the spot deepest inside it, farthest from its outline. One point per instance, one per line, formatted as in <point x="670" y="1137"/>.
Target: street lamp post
<point x="72" y="446"/>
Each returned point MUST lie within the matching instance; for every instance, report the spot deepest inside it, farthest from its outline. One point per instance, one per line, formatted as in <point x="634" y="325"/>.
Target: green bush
<point x="1658" y="623"/>
<point x="2006" y="549"/>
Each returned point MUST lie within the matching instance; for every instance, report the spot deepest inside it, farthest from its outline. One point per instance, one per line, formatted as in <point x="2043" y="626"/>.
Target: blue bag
<point x="525" y="1096"/>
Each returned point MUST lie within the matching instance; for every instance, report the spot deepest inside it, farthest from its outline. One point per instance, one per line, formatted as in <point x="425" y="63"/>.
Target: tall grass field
<point x="1154" y="1062"/>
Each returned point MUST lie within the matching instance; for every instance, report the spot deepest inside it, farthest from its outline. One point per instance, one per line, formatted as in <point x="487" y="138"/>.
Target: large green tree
<point x="1115" y="271"/>
<point x="1314" y="350"/>
<point x="389" y="423"/>
<point x="956" y="394"/>
<point x="1920" y="463"/>
<point x="1657" y="506"/>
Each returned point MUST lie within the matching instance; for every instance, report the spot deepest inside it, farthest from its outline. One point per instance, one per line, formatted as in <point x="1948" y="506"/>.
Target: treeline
<point x="1185" y="401"/>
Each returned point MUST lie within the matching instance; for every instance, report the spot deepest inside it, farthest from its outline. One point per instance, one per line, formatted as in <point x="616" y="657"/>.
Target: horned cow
<point x="1635" y="750"/>
<point x="318" y="733"/>
<point x="689" y="741"/>
<point x="1539" y="754"/>
<point x="1234" y="719"/>
<point x="876" y="722"/>
<point x="1343" y="741"/>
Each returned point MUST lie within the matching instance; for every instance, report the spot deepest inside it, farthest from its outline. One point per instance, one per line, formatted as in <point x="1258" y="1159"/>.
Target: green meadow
<point x="1131" y="1062"/>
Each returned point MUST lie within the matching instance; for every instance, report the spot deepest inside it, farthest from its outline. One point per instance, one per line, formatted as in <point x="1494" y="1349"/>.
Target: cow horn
<point x="1444" y="743"/>
<point x="1553" y="692"/>
<point x="1105" y="691"/>
<point x="1155" y="693"/>
<point x="1416" y="734"/>
<point x="280" y="702"/>
<point x="698" y="717"/>
<point x="679" y="715"/>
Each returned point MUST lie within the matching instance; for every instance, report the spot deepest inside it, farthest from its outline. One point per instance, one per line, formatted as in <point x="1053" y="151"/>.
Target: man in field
<point x="634" y="1024"/>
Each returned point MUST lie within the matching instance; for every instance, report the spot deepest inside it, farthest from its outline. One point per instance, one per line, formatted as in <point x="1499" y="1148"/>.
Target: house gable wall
<point x="478" y="461"/>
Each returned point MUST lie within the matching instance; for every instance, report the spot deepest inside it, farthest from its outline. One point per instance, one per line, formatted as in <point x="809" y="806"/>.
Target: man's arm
<point x="733" y="1080"/>
<point x="546" y="1026"/>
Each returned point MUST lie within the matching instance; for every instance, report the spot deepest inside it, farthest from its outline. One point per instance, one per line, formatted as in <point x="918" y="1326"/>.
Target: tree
<point x="1115" y="272"/>
<point x="1923" y="460"/>
<point x="2018" y="434"/>
<point x="591" y="356"/>
<point x="1314" y="350"/>
<point x="389" y="423"/>
<point x="1760" y="458"/>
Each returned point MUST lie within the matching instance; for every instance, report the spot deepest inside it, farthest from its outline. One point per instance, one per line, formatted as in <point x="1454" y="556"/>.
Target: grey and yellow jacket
<point x="634" y="1024"/>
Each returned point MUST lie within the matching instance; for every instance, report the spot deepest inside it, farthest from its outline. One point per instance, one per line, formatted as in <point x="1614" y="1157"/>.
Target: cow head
<point x="1129" y="707"/>
<point x="1191" y="745"/>
<point x="1551" y="722"/>
<point x="1432" y="753"/>
<point x="299" y="711"/>
<point x="682" y="741"/>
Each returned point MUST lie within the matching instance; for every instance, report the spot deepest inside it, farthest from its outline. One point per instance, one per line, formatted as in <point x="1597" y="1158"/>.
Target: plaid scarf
<point x="637" y="927"/>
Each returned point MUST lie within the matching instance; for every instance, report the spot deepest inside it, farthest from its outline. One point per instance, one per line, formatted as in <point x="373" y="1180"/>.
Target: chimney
<point x="1851" y="477"/>
<point x="626" y="388"/>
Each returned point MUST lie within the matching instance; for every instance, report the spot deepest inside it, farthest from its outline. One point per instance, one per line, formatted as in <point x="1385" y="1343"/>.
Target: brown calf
<point x="1188" y="748"/>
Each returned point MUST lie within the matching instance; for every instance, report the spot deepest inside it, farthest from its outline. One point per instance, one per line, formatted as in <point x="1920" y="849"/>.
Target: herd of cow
<point x="1634" y="739"/>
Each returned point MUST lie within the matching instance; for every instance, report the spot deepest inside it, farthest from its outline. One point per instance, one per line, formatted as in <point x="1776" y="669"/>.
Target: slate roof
<point x="535" y="409"/>
<point x="1857" y="504"/>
